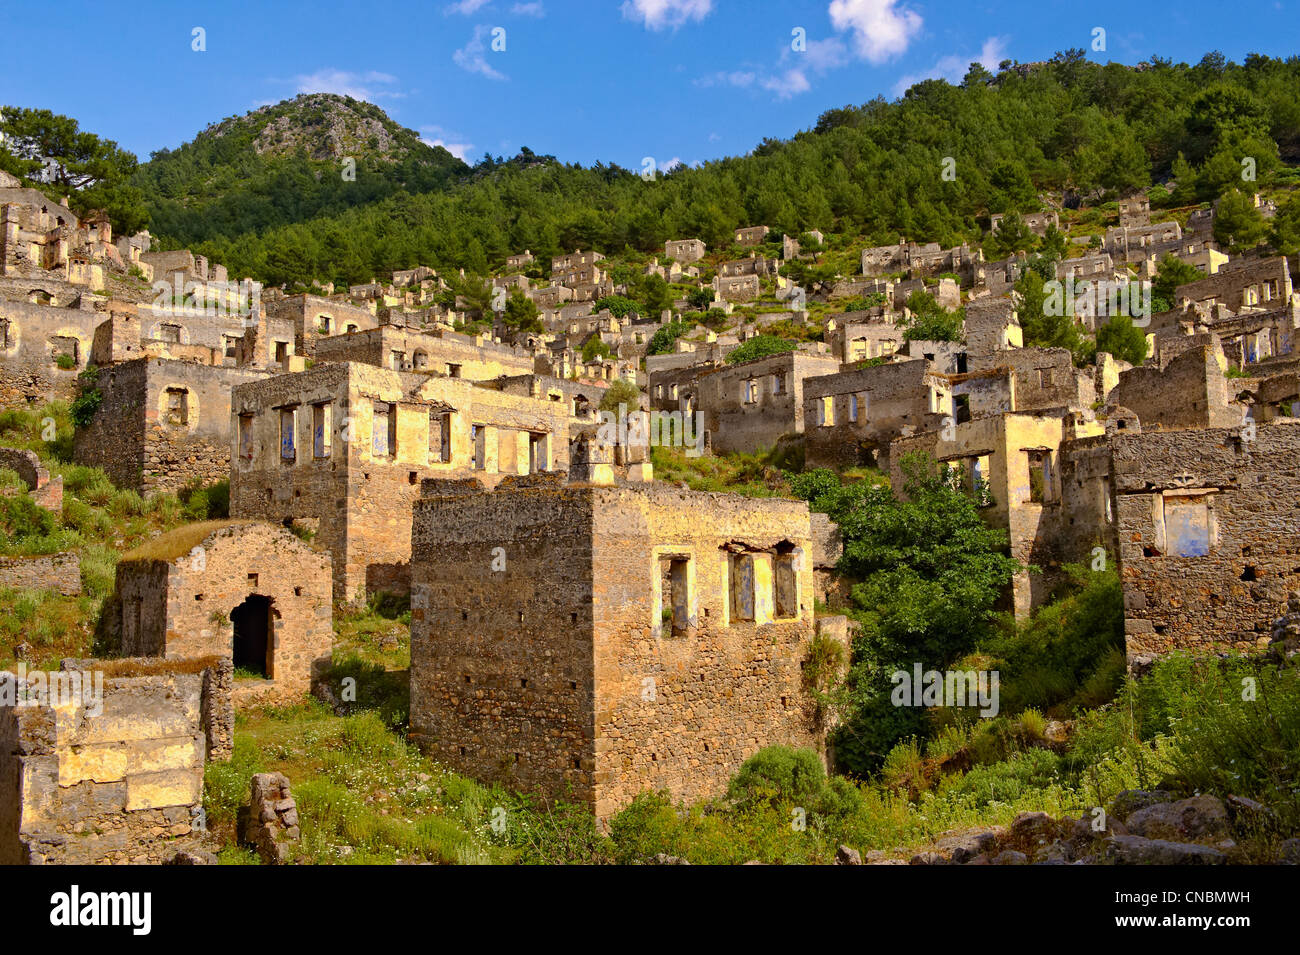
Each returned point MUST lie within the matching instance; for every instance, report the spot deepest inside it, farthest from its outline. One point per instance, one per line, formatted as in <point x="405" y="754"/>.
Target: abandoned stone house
<point x="750" y="265"/>
<point x="434" y="352"/>
<point x="1190" y="391"/>
<point x="748" y="406"/>
<point x="851" y="417"/>
<point x="1042" y="378"/>
<point x="626" y="639"/>
<point x="1035" y="222"/>
<point x="1241" y="283"/>
<point x="1135" y="243"/>
<point x="244" y="590"/>
<point x="1134" y="211"/>
<point x="108" y="768"/>
<point x="855" y="336"/>
<point x="520" y="261"/>
<point x="162" y="423"/>
<point x="580" y="397"/>
<point x="921" y="261"/>
<point x="314" y="318"/>
<point x="1090" y="267"/>
<point x="341" y="449"/>
<point x="737" y="288"/>
<point x="44" y="347"/>
<point x="684" y="250"/>
<point x="991" y="325"/>
<point x="550" y="297"/>
<point x="1207" y="535"/>
<point x="1034" y="476"/>
<point x="751" y="235"/>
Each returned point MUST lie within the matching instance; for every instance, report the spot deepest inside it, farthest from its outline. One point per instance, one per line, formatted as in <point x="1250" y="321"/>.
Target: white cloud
<point x="465" y="7"/>
<point x="472" y="57"/>
<point x="738" y="78"/>
<point x="658" y="14"/>
<point x="881" y="29"/>
<point x="787" y="84"/>
<point x="362" y="86"/>
<point x="714" y="138"/>
<point x="954" y="66"/>
<point x="437" y="136"/>
<point x="528" y="10"/>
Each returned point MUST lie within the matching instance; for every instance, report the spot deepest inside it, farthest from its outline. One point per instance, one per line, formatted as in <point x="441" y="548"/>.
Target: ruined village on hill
<point x="578" y="628"/>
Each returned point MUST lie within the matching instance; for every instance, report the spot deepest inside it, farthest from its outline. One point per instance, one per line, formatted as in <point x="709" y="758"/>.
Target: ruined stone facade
<point x="851" y="417"/>
<point x="342" y="448"/>
<point x="747" y="406"/>
<point x="241" y="590"/>
<point x="634" y="639"/>
<point x="162" y="423"/>
<point x="117" y="778"/>
<point x="1208" y="535"/>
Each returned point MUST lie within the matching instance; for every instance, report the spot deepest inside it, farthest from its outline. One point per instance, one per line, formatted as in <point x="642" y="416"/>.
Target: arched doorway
<point x="252" y="635"/>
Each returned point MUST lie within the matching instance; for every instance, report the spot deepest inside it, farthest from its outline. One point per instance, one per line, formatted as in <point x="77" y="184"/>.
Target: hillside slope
<point x="286" y="163"/>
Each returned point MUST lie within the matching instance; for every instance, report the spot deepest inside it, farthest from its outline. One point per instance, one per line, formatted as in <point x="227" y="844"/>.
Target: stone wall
<point x="180" y="594"/>
<point x="573" y="671"/>
<point x="162" y="423"/>
<point x="114" y="777"/>
<point x="1189" y="392"/>
<point x="1241" y="282"/>
<point x="31" y="338"/>
<point x="358" y="489"/>
<point x="1207" y="535"/>
<point x="850" y="417"/>
<point x="739" y="418"/>
<point x="61" y="572"/>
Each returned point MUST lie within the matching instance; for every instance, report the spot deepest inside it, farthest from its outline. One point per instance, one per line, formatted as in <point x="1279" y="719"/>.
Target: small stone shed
<point x="242" y="589"/>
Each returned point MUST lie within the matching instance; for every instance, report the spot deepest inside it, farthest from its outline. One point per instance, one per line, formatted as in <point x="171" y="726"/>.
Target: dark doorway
<point x="252" y="625"/>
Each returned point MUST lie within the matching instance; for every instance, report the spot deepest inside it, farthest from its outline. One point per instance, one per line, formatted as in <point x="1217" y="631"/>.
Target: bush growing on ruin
<point x="760" y="346"/>
<point x="1123" y="340"/>
<point x="620" y="392"/>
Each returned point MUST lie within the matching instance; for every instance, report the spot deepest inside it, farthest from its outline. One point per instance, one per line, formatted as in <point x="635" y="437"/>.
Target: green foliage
<point x="931" y="322"/>
<point x="1171" y="273"/>
<point x="865" y="170"/>
<point x="205" y="503"/>
<point x="662" y="341"/>
<point x="1122" y="339"/>
<point x="92" y="172"/>
<point x="760" y="346"/>
<point x="930" y="573"/>
<point x="619" y="305"/>
<point x="89" y="398"/>
<point x="620" y="392"/>
<point x="1069" y="654"/>
<point x="1238" y="224"/>
<point x="227" y="183"/>
<point x="594" y="348"/>
<point x="863" y="302"/>
<point x="521" y="313"/>
<point x="1284" y="234"/>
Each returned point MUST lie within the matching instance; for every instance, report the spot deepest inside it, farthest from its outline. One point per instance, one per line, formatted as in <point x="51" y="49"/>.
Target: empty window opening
<point x="674" y="588"/>
<point x="320" y="430"/>
<point x="785" y="583"/>
<point x="178" y="407"/>
<point x="1040" y="475"/>
<point x="288" y="446"/>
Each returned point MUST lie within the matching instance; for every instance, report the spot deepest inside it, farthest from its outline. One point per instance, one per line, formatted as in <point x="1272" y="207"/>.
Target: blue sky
<point x="584" y="80"/>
